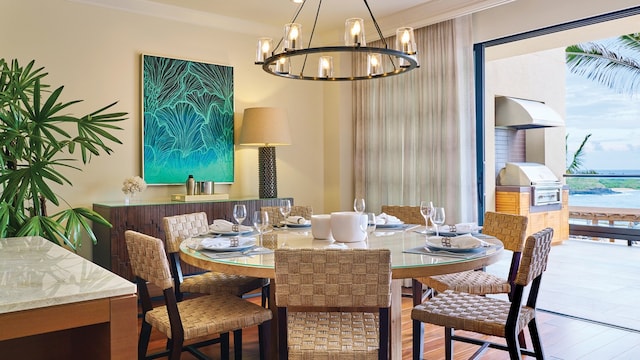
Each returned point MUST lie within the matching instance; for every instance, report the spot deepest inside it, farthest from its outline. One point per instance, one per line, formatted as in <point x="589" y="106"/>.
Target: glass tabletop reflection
<point x="408" y="254"/>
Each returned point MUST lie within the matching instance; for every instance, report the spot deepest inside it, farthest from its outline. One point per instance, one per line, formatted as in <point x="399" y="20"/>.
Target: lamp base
<point x="268" y="185"/>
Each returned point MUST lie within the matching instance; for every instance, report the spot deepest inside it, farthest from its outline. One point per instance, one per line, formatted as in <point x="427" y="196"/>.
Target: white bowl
<point x="347" y="226"/>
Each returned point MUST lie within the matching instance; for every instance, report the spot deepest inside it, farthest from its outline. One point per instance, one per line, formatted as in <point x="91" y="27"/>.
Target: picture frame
<point x="187" y="115"/>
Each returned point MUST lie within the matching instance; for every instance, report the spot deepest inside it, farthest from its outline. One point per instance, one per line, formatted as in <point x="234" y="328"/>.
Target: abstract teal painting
<point x="187" y="121"/>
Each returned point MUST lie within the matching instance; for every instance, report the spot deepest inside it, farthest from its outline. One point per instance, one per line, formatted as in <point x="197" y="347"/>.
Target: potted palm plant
<point x="38" y="139"/>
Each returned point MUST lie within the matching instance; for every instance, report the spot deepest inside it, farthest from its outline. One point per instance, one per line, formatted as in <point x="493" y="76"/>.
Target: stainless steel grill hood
<point x="525" y="114"/>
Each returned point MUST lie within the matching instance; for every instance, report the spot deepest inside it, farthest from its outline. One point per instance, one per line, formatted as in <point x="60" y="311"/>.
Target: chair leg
<point x="535" y="339"/>
<point x="237" y="344"/>
<point x="224" y="346"/>
<point x="522" y="340"/>
<point x="265" y="295"/>
<point x="448" y="343"/>
<point x="417" y="339"/>
<point x="264" y="339"/>
<point x="143" y="340"/>
<point x="513" y="345"/>
<point x="176" y="349"/>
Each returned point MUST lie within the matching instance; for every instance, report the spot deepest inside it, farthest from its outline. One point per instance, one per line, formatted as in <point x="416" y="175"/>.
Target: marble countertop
<point x="36" y="273"/>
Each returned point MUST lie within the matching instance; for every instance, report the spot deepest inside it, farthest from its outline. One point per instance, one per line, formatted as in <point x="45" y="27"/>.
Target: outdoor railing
<point x="604" y="205"/>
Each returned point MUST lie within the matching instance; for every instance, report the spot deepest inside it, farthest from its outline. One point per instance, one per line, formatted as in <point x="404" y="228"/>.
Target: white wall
<point x="95" y="53"/>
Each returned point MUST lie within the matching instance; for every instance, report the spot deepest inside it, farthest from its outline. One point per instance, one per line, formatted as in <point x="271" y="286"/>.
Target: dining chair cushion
<point x="210" y="314"/>
<point x="473" y="282"/>
<point x="476" y="313"/>
<point x="216" y="282"/>
<point x="333" y="332"/>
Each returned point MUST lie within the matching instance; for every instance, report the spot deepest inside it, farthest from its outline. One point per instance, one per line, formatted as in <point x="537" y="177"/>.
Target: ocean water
<point x="626" y="199"/>
<point x="623" y="199"/>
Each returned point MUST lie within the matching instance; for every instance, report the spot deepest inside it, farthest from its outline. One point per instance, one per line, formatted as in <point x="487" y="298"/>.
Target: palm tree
<point x="613" y="63"/>
<point x="576" y="162"/>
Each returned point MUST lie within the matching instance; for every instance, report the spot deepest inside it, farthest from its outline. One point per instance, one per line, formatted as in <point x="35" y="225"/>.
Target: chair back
<point x="333" y="277"/>
<point x="510" y="229"/>
<point x="406" y="214"/>
<point x="180" y="227"/>
<point x="535" y="256"/>
<point x="148" y="259"/>
<point x="275" y="217"/>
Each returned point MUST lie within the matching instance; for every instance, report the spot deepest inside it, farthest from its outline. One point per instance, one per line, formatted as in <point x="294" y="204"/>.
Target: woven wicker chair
<point x="189" y="319"/>
<point x="275" y="217"/>
<point x="407" y="214"/>
<point x="491" y="316"/>
<point x="511" y="230"/>
<point x="180" y="227"/>
<point x="311" y="287"/>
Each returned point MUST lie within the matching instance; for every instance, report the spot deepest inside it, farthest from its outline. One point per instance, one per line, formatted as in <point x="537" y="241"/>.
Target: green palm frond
<point x="614" y="65"/>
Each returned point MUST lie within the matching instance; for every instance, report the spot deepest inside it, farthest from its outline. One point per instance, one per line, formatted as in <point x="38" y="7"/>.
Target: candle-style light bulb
<point x="355" y="32"/>
<point x="293" y="36"/>
<point x="405" y="41"/>
<point x="325" y="67"/>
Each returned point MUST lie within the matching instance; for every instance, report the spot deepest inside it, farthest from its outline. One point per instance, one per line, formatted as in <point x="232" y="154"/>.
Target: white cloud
<point x="612" y="119"/>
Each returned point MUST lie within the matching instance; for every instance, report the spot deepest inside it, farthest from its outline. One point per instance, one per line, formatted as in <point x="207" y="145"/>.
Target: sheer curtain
<point x="415" y="133"/>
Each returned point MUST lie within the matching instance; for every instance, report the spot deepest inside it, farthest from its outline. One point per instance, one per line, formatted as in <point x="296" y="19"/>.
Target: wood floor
<point x="563" y="337"/>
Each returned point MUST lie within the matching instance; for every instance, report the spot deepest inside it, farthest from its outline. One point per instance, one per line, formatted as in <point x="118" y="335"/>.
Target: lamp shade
<point x="265" y="126"/>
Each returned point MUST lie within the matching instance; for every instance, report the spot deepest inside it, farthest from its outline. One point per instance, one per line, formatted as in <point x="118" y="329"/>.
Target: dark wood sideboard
<point x="146" y="217"/>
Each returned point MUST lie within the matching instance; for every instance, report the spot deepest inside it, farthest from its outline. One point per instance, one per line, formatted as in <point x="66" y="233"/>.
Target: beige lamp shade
<point x="265" y="126"/>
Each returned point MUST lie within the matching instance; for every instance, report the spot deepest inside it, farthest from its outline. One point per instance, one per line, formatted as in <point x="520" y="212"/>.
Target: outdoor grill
<point x="546" y="189"/>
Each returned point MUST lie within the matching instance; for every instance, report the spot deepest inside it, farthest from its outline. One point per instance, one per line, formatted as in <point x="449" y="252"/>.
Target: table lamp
<point x="266" y="127"/>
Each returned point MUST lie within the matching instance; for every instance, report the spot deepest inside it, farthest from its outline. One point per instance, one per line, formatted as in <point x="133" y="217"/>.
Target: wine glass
<point x="359" y="205"/>
<point x="437" y="218"/>
<point x="260" y="223"/>
<point x="426" y="209"/>
<point x="239" y="213"/>
<point x="371" y="224"/>
<point x="285" y="210"/>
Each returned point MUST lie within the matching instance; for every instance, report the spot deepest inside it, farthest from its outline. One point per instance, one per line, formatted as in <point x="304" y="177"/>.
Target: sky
<point x="613" y="120"/>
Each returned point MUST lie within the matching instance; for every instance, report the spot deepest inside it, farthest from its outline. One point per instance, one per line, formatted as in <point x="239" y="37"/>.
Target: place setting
<point x="466" y="246"/>
<point x="222" y="247"/>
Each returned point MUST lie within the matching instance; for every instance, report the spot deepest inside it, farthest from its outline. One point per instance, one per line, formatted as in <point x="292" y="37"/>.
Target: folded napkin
<point x="465" y="241"/>
<point x="384" y="218"/>
<point x="221" y="225"/>
<point x="297" y="220"/>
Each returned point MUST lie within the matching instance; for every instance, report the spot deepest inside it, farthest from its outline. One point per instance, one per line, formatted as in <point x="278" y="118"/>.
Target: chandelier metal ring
<point x="270" y="62"/>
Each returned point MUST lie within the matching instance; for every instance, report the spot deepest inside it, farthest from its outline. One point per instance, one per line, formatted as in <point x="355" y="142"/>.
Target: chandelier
<point x="295" y="61"/>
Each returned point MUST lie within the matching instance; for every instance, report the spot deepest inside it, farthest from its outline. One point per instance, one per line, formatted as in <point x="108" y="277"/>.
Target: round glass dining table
<point x="409" y="256"/>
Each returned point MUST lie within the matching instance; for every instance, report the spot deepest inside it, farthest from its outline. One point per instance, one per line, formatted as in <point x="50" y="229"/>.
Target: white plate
<point x="389" y="226"/>
<point x="230" y="233"/>
<point x="295" y="225"/>
<point x="224" y="244"/>
<point x="456" y="244"/>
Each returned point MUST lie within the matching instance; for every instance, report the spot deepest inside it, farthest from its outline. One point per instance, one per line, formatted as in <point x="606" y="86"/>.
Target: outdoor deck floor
<point x="594" y="280"/>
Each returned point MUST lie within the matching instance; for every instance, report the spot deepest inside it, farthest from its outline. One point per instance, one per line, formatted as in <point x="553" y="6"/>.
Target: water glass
<point x="438" y="218"/>
<point x="358" y="205"/>
<point x="426" y="209"/>
<point x="285" y="210"/>
<point x="260" y="223"/>
<point x="239" y="213"/>
<point x="371" y="224"/>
